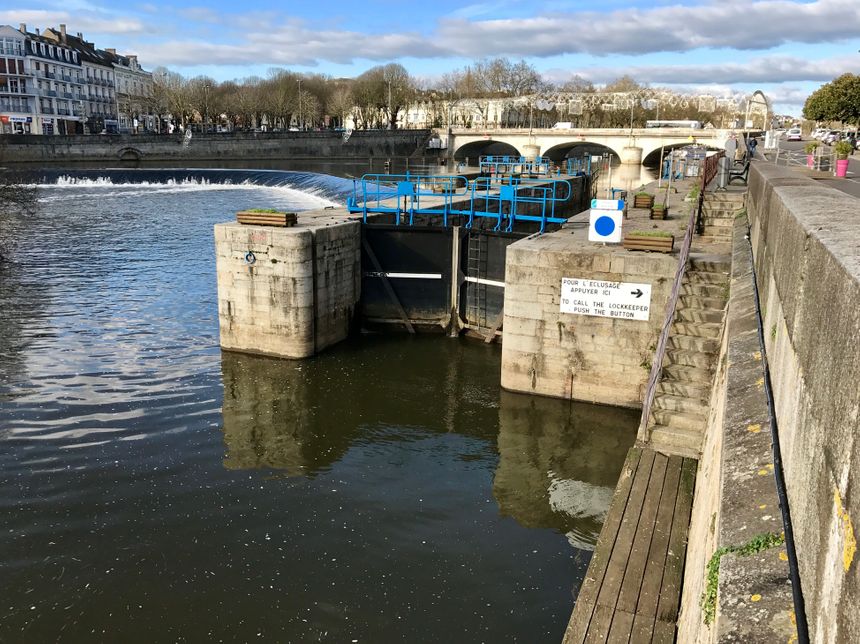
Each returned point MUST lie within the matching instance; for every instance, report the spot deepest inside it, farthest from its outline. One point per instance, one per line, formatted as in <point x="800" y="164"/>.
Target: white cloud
<point x="763" y="69"/>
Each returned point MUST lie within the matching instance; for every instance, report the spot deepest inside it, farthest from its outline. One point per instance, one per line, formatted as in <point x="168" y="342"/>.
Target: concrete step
<point x="724" y="197"/>
<point x="703" y="277"/>
<point x="685" y="389"/>
<point x="683" y="373"/>
<point x="689" y="358"/>
<point x="718" y="232"/>
<point x="704" y="290"/>
<point x="699" y="315"/>
<point x="680" y="420"/>
<point x="710" y="346"/>
<point x="706" y="330"/>
<point x="670" y="440"/>
<point x="710" y="263"/>
<point x="718" y="222"/>
<point x="691" y="406"/>
<point x="699" y="302"/>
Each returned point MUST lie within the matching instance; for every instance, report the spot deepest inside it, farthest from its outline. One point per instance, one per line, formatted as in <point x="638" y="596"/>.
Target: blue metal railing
<point x="400" y="194"/>
<point x="503" y="199"/>
<point x="495" y="165"/>
<point x="579" y="165"/>
<point x="507" y="200"/>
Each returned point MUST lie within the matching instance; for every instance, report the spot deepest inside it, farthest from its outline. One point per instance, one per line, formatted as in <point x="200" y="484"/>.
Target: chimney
<point x="80" y="35"/>
<point x="63" y="33"/>
<point x="37" y="32"/>
<point x="111" y="50"/>
<point x="22" y="28"/>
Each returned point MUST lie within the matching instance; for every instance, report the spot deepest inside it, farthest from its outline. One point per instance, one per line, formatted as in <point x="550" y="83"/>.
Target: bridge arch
<point x="652" y="158"/>
<point x="129" y="153"/>
<point x="561" y="151"/>
<point x="476" y="149"/>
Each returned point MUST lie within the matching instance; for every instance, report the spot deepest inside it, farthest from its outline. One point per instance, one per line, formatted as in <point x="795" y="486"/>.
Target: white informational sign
<point x="622" y="300"/>
<point x="607" y="204"/>
<point x="605" y="226"/>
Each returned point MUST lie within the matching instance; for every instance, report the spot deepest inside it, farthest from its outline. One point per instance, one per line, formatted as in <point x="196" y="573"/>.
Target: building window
<point x="42" y="48"/>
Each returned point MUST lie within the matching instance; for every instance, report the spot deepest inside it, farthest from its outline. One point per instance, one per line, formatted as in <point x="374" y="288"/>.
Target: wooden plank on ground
<point x="622" y="624"/>
<point x="643" y="629"/>
<point x="629" y="595"/>
<point x="599" y="627"/>
<point x="664" y="633"/>
<point x="673" y="573"/>
<point x="652" y="579"/>
<point x="585" y="601"/>
<point x="608" y="595"/>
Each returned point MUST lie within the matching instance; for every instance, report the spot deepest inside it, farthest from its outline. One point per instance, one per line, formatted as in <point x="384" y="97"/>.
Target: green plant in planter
<point x="266" y="210"/>
<point x="811" y="147"/>
<point x="842" y="149"/>
<point x="643" y="193"/>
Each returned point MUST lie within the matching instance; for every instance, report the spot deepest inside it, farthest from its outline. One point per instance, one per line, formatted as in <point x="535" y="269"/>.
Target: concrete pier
<point x="288" y="292"/>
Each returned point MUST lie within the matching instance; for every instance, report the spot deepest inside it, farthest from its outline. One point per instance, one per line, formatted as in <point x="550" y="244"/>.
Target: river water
<point x="155" y="489"/>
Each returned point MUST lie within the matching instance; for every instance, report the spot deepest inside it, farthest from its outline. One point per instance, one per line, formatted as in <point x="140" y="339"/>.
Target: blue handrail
<point x="504" y="199"/>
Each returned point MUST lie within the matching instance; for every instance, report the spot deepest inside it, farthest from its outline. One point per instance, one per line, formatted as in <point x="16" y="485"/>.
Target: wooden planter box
<point x="659" y="213"/>
<point x="280" y="219"/>
<point x="647" y="242"/>
<point x="643" y="201"/>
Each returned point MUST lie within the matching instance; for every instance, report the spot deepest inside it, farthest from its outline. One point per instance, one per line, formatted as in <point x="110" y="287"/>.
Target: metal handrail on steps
<point x="708" y="174"/>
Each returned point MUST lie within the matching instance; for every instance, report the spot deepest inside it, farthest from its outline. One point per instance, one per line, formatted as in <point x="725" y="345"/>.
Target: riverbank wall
<point x="807" y="267"/>
<point x="131" y="150"/>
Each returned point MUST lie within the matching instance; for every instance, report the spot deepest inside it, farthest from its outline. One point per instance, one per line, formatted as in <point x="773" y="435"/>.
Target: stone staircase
<point x="718" y="215"/>
<point x="679" y="412"/>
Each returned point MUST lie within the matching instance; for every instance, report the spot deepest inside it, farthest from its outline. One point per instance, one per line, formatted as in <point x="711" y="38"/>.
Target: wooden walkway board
<point x="632" y="589"/>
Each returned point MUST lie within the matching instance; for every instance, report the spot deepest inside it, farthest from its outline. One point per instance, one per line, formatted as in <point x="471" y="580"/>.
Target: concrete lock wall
<point x="805" y="238"/>
<point x="246" y="145"/>
<point x="593" y="359"/>
<point x="299" y="294"/>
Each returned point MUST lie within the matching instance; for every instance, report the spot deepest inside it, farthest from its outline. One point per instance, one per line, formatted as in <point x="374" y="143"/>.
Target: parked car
<point x="832" y="137"/>
<point x="794" y="134"/>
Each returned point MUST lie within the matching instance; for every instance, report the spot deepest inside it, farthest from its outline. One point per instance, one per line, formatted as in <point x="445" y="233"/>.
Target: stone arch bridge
<point x="631" y="146"/>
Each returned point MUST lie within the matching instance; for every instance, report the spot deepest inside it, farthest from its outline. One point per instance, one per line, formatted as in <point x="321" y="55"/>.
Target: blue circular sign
<point x="604" y="226"/>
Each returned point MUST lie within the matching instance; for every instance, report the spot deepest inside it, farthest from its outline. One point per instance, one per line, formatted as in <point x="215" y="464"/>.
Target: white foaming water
<point x="307" y="198"/>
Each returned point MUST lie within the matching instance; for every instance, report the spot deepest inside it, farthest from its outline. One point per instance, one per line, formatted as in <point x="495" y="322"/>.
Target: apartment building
<point x="56" y="83"/>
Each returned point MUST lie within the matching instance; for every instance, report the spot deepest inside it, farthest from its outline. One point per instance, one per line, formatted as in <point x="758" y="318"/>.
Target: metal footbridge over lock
<point x="525" y="194"/>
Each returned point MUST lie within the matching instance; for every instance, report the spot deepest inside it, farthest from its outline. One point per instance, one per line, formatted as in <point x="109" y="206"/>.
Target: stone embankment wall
<point x="593" y="359"/>
<point x="807" y="258"/>
<point x="735" y="505"/>
<point x="126" y="148"/>
<point x="807" y="261"/>
<point x="299" y="293"/>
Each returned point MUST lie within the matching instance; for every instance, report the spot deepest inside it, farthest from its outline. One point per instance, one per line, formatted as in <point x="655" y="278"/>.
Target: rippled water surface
<point x="155" y="489"/>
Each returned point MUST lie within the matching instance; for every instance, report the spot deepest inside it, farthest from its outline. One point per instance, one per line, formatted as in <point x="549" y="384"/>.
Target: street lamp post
<point x="390" y="115"/>
<point x="206" y="87"/>
<point x="301" y="117"/>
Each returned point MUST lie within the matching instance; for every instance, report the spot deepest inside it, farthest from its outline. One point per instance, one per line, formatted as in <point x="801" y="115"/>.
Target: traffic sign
<point x="621" y="300"/>
<point x="605" y="226"/>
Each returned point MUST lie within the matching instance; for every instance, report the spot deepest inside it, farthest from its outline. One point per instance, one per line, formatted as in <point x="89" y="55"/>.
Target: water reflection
<point x="559" y="463"/>
<point x="271" y="420"/>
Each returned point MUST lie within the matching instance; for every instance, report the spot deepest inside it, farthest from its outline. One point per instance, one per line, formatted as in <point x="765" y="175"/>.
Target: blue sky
<point x="787" y="48"/>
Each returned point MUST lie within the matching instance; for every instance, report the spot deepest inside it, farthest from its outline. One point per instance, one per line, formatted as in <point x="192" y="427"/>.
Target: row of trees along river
<point x="376" y="98"/>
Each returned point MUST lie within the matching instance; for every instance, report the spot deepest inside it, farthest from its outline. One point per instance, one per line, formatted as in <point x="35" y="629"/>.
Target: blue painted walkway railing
<point x="495" y="165"/>
<point x="579" y="165"/>
<point x="504" y="199"/>
<point x="400" y="194"/>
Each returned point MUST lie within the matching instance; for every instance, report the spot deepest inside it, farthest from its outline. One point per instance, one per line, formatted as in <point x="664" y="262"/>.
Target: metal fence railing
<point x="505" y="199"/>
<point x="708" y="174"/>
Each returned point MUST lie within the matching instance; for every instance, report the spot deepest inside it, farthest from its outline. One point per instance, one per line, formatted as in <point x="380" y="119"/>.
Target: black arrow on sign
<point x="637" y="292"/>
